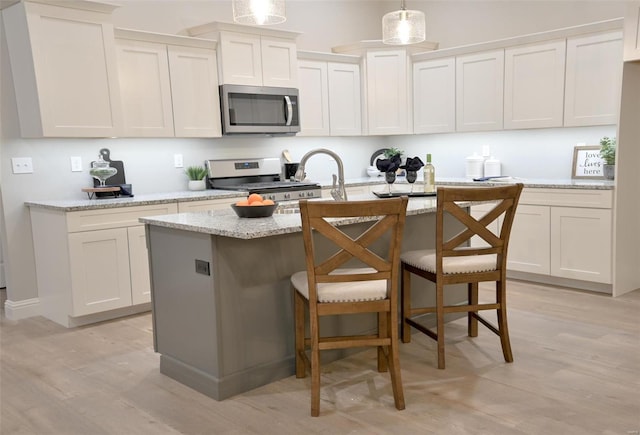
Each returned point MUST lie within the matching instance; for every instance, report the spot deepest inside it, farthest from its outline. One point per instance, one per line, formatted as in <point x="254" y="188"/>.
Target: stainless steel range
<point x="258" y="176"/>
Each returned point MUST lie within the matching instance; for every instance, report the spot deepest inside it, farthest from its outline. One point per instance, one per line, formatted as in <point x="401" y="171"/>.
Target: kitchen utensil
<point x="290" y="170"/>
<point x="287" y="156"/>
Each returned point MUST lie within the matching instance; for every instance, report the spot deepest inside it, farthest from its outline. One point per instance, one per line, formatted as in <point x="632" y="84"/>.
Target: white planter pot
<point x="197" y="184"/>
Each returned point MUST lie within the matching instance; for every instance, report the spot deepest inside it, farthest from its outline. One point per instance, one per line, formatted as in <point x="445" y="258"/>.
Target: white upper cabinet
<point x="345" y="115"/>
<point x="64" y="68"/>
<point x="632" y="32"/>
<point x="169" y="85"/>
<point x="434" y="96"/>
<point x="329" y="95"/>
<point x="534" y="85"/>
<point x="314" y="98"/>
<point x="194" y="92"/>
<point x="145" y="89"/>
<point x="593" y="79"/>
<point x="253" y="56"/>
<point x="279" y="62"/>
<point x="387" y="92"/>
<point x="479" y="91"/>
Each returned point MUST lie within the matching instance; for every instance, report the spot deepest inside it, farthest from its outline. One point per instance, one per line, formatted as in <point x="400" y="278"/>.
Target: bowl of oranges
<point x="255" y="206"/>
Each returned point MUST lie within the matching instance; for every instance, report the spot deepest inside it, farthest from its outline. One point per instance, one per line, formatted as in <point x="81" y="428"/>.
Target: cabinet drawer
<point x="211" y="204"/>
<point x="568" y="197"/>
<point x="115" y="217"/>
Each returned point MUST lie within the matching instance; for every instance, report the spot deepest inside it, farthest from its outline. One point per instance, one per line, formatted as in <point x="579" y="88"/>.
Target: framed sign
<point x="587" y="162"/>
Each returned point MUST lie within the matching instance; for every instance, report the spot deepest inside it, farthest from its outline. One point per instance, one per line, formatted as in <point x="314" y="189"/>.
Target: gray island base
<point x="221" y="299"/>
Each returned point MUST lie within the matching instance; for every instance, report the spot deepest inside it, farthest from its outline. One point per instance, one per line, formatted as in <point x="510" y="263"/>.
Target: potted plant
<point x="196" y="175"/>
<point x="608" y="154"/>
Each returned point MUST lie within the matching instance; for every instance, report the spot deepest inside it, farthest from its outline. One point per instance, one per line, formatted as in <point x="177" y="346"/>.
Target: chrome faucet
<point x="338" y="191"/>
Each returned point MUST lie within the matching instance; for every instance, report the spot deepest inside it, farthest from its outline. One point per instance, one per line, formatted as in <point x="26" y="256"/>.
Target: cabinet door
<point x="194" y="90"/>
<point x="145" y="89"/>
<point x="581" y="243"/>
<point x="529" y="241"/>
<point x="139" y="265"/>
<point x="241" y="59"/>
<point x="434" y="96"/>
<point x="345" y="115"/>
<point x="632" y="32"/>
<point x="279" y="62"/>
<point x="593" y="80"/>
<point x="387" y="92"/>
<point x="100" y="278"/>
<point x="479" y="91"/>
<point x="314" y="98"/>
<point x="534" y="85"/>
<point x="64" y="70"/>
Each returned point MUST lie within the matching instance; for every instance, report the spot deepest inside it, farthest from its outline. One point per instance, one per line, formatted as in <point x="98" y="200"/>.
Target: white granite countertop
<point x="68" y="205"/>
<point x="226" y="223"/>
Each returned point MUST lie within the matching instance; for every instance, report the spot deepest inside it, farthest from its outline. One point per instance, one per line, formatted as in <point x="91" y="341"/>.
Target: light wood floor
<point x="576" y="371"/>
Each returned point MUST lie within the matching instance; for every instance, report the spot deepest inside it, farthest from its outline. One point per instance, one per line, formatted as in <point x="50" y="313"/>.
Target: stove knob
<point x="310" y="194"/>
<point x="300" y="194"/>
<point x="287" y="196"/>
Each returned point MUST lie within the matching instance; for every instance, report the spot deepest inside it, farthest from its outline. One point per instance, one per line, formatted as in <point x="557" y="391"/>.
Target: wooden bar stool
<point x="326" y="288"/>
<point x="453" y="262"/>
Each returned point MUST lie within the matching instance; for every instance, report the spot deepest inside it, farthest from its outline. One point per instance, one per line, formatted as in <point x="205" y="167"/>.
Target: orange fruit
<point x="254" y="197"/>
<point x="268" y="202"/>
<point x="254" y="203"/>
<point x="242" y="202"/>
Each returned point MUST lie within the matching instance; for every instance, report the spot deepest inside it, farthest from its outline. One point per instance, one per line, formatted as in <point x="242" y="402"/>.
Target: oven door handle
<point x="289" y="115"/>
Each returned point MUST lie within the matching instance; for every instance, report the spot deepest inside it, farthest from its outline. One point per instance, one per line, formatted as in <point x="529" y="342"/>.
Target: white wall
<point x="148" y="162"/>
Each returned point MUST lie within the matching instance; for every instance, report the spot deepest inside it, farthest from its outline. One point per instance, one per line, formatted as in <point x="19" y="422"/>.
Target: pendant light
<point x="259" y="12"/>
<point x="403" y="27"/>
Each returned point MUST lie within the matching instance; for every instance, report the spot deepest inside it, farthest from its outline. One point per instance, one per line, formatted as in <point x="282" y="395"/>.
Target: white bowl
<point x="372" y="171"/>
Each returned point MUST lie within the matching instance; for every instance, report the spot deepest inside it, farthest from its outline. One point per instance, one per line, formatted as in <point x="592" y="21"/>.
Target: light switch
<point x="177" y="161"/>
<point x="76" y="164"/>
<point x="22" y="165"/>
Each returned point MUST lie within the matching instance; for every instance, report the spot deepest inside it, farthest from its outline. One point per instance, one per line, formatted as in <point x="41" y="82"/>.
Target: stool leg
<point x="501" y="296"/>
<point x="394" y="360"/>
<point x="383" y="332"/>
<point x="472" y="322"/>
<point x="440" y="322"/>
<point x="315" y="364"/>
<point x="405" y="303"/>
<point x="299" y="308"/>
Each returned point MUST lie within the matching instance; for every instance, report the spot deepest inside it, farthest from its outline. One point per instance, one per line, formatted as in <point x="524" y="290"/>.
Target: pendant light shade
<point x="259" y="12"/>
<point x="403" y="27"/>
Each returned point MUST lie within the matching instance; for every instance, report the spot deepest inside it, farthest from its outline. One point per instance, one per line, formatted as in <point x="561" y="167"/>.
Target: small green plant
<point x="196" y="172"/>
<point x="390" y="152"/>
<point x="608" y="150"/>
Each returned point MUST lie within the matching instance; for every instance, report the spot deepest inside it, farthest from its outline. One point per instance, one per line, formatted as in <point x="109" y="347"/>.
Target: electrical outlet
<point x="177" y="161"/>
<point x="486" y="152"/>
<point x="76" y="164"/>
<point x="22" y="165"/>
<point x="202" y="267"/>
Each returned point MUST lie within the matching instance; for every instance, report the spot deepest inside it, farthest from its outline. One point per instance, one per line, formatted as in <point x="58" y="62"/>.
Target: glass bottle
<point x="429" y="176"/>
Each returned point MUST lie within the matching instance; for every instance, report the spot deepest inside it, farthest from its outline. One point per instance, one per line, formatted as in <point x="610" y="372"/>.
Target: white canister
<point x="492" y="167"/>
<point x="474" y="166"/>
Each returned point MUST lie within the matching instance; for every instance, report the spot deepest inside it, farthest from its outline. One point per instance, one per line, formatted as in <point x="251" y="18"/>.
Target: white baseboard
<point x="21" y="309"/>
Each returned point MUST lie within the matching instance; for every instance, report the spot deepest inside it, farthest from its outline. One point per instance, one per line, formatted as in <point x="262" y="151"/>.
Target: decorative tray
<point x="396" y="194"/>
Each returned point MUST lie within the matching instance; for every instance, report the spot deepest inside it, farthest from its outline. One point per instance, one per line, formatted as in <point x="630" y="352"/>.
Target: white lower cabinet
<point x="563" y="233"/>
<point x="91" y="262"/>
<point x="100" y="266"/>
<point x="581" y="243"/>
<point x="529" y="241"/>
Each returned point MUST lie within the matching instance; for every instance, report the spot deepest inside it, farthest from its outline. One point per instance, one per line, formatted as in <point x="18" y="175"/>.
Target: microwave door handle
<point x="289" y="116"/>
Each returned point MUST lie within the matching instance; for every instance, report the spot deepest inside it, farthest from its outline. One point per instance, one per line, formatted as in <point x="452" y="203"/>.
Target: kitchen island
<point x="221" y="298"/>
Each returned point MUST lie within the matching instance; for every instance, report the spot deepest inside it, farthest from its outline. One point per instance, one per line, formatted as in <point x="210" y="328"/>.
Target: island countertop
<point x="226" y="223"/>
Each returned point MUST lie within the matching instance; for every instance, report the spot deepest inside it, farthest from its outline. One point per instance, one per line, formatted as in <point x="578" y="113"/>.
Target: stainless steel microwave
<point x="259" y="110"/>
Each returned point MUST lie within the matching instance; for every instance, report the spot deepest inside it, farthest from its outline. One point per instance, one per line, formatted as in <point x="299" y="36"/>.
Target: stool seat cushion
<point x="425" y="259"/>
<point x="343" y="291"/>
